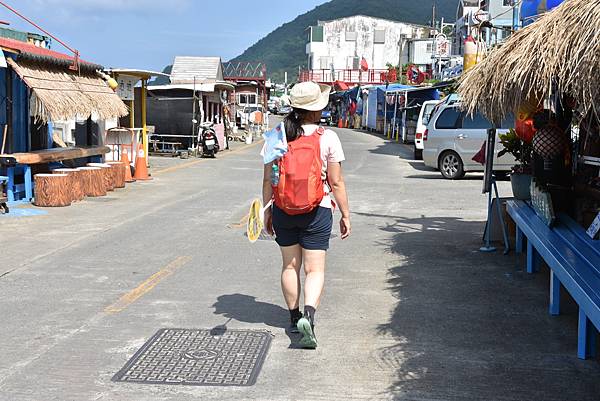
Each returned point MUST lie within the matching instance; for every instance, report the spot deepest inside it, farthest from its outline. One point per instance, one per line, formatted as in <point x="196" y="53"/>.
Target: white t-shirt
<point x="331" y="151"/>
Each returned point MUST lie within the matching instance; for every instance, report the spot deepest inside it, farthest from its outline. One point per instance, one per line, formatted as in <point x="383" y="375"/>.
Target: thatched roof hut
<point x="61" y="94"/>
<point x="562" y="49"/>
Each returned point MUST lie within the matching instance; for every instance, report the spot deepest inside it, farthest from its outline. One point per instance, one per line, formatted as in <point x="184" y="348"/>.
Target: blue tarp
<point x="532" y="8"/>
<point x="377" y="95"/>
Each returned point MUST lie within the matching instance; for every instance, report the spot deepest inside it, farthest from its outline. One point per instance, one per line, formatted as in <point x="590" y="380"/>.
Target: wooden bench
<point x="17" y="163"/>
<point x="574" y="262"/>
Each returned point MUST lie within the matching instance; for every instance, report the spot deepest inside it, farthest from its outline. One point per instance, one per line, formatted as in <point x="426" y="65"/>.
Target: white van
<point x="424" y="116"/>
<point x="452" y="139"/>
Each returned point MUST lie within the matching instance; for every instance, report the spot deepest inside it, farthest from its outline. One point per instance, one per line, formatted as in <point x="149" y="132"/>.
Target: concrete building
<point x="337" y="50"/>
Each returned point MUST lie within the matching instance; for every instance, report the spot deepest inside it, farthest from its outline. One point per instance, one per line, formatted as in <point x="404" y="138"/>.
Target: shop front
<point x="548" y="75"/>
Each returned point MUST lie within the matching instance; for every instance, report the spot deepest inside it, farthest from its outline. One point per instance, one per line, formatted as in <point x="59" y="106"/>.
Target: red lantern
<point x="525" y="129"/>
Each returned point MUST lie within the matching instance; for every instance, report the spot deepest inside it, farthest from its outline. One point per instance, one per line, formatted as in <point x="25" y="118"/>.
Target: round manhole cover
<point x="201" y="354"/>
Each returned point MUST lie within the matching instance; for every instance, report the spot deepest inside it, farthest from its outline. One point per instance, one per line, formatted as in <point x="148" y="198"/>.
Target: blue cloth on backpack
<point x="275" y="144"/>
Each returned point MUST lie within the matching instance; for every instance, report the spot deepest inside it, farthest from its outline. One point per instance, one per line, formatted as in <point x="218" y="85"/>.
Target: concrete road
<point x="412" y="310"/>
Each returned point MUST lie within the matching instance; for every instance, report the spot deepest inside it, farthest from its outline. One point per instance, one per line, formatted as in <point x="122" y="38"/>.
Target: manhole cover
<point x="199" y="358"/>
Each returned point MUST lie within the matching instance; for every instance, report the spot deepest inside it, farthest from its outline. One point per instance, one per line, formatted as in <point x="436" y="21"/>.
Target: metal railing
<point x="372" y="76"/>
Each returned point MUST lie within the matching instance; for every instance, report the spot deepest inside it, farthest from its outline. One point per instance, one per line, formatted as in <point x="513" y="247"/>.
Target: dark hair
<point x="293" y="124"/>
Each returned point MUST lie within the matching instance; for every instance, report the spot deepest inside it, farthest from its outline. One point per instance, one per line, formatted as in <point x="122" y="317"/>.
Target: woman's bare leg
<point x="290" y="275"/>
<point x="314" y="267"/>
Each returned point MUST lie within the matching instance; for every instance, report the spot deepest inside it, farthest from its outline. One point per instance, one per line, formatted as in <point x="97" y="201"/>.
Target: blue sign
<point x="530" y="9"/>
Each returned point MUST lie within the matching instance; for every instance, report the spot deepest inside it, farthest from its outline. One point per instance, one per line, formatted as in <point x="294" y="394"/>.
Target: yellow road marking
<point x="147" y="285"/>
<point x="193" y="163"/>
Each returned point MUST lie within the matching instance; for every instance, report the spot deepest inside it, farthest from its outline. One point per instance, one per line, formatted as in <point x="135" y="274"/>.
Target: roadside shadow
<point x="418" y="165"/>
<point x="466" y="325"/>
<point x="246" y="308"/>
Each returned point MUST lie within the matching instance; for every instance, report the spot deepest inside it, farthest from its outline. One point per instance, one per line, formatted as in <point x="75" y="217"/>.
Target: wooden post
<point x="53" y="190"/>
<point x="93" y="181"/>
<point x="75" y="179"/>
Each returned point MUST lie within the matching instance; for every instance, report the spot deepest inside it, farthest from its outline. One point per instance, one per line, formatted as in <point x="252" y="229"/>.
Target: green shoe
<point x="308" y="340"/>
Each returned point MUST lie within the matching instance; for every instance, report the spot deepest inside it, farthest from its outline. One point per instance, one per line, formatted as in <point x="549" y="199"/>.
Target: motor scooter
<point x="208" y="145"/>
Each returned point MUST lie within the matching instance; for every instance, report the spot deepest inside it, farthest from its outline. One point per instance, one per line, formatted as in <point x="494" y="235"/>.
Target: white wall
<point x="421" y="52"/>
<point x="337" y="49"/>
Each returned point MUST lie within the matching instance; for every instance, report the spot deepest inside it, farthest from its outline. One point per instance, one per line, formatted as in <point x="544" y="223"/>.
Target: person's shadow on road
<point x="245" y="308"/>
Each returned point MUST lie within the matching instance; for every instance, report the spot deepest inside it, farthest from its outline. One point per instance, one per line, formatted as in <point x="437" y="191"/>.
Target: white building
<point x="335" y="49"/>
<point x="471" y="13"/>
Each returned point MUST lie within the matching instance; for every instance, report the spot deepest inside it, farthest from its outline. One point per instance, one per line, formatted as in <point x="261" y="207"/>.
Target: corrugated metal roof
<point x="203" y="69"/>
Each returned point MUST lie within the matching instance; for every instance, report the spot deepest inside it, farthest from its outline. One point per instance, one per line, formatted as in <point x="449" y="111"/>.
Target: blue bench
<point x="574" y="261"/>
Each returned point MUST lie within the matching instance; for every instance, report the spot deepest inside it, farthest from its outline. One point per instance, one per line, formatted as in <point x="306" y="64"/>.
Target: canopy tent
<point x="532" y="9"/>
<point x="61" y="94"/>
<point x="378" y="96"/>
<point x="557" y="52"/>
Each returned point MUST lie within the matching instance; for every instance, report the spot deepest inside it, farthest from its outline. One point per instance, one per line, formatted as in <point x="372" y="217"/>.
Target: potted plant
<point x="521" y="172"/>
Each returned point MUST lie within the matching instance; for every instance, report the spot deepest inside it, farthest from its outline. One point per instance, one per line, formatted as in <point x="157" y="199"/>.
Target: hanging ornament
<point x="525" y="129"/>
<point x="550" y="142"/>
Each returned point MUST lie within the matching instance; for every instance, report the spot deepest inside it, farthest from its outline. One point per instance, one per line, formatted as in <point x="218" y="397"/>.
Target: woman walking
<point x="301" y="184"/>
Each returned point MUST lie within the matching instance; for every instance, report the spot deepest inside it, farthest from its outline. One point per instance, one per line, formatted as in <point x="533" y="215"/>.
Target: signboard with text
<point x="126" y="87"/>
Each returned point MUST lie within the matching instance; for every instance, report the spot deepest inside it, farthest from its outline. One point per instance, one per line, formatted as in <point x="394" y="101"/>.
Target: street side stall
<point x="130" y="132"/>
<point x="192" y="106"/>
<point x="403" y="107"/>
<point x="375" y="106"/>
<point x="41" y="89"/>
<point x="179" y="112"/>
<point x="548" y="75"/>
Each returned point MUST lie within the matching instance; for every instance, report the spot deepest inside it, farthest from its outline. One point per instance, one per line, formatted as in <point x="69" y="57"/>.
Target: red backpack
<point x="300" y="189"/>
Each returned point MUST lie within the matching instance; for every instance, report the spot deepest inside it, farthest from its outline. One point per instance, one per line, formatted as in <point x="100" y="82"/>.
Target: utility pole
<point x="516" y="15"/>
<point x="433" y="16"/>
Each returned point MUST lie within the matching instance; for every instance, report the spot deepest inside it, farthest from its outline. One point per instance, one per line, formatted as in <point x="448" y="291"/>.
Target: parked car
<point x="326" y="117"/>
<point x="452" y="138"/>
<point x="273" y="106"/>
<point x="243" y="115"/>
<point x="424" y="116"/>
<point x="285" y="109"/>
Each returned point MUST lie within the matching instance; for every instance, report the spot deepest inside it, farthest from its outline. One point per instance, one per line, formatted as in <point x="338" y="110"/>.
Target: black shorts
<point x="311" y="230"/>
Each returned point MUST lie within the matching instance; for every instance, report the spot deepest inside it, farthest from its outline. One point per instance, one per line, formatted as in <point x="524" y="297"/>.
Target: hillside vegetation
<point x="284" y="48"/>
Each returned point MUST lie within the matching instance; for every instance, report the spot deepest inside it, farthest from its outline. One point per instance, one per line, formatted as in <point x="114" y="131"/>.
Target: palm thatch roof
<point x="61" y="94"/>
<point x="562" y="49"/>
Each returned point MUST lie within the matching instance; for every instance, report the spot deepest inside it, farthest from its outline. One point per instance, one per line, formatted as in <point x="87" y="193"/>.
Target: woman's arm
<point x="338" y="188"/>
<point x="267" y="193"/>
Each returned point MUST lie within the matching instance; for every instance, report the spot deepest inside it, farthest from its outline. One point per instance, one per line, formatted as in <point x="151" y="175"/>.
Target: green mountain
<point x="284" y="49"/>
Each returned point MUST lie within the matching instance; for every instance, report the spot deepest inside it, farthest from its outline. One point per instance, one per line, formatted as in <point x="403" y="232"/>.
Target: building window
<point x="351" y="36"/>
<point x="379" y="36"/>
<point x="353" y="63"/>
<point x="247" y="98"/>
<point x="316" y="34"/>
<point x="507" y="3"/>
<point x="429" y="47"/>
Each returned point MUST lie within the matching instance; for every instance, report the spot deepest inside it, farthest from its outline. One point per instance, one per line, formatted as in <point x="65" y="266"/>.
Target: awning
<point x="60" y="94"/>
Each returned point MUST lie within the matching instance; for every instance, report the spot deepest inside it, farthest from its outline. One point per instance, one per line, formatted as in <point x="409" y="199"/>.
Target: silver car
<point x="453" y="138"/>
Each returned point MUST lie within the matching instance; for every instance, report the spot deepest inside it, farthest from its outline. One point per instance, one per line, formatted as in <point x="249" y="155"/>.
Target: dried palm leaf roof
<point x="61" y="94"/>
<point x="562" y="48"/>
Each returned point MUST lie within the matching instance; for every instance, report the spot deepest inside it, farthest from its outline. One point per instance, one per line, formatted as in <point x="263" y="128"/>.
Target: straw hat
<point x="310" y="96"/>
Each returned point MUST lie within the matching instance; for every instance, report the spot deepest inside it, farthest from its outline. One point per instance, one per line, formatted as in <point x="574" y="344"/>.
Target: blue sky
<point x="149" y="33"/>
